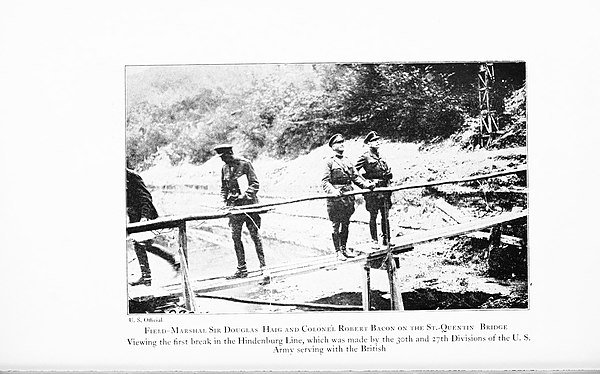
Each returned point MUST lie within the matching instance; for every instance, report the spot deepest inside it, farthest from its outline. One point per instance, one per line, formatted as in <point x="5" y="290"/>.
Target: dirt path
<point x="436" y="271"/>
<point x="290" y="237"/>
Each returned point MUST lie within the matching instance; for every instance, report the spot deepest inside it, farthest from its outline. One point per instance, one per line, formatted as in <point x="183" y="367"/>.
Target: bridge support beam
<point x="392" y="264"/>
<point x="188" y="294"/>
<point x="395" y="295"/>
<point x="366" y="291"/>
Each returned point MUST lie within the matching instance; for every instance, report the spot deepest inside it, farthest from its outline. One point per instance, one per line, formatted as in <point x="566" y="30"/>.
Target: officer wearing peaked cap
<point x="337" y="138"/>
<point x="338" y="176"/>
<point x="238" y="174"/>
<point x="378" y="172"/>
<point x="371" y="137"/>
<point x="224" y="148"/>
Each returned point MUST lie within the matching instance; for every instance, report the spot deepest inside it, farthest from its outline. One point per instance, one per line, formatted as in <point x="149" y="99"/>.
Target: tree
<point x="410" y="102"/>
<point x="286" y="110"/>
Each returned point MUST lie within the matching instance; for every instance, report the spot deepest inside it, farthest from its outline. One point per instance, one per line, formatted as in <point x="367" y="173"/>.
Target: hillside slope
<point x="303" y="174"/>
<point x="441" y="274"/>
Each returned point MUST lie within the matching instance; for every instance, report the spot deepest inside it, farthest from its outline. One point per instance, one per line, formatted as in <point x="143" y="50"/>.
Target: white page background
<point x="62" y="149"/>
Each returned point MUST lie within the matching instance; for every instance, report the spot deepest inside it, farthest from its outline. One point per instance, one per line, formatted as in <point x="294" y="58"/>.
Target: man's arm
<point x="362" y="161"/>
<point x="326" y="180"/>
<point x="147" y="208"/>
<point x="358" y="179"/>
<point x="387" y="172"/>
<point x="142" y="197"/>
<point x="253" y="184"/>
<point x="224" y="186"/>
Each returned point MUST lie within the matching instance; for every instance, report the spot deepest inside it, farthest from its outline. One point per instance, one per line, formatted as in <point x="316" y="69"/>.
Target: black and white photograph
<point x="314" y="186"/>
<point x="326" y="187"/>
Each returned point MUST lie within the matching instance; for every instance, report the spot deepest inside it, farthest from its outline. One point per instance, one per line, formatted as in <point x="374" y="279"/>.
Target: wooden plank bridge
<point x="369" y="258"/>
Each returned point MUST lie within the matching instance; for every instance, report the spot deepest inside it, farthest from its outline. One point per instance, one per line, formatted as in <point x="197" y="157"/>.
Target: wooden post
<point x="366" y="292"/>
<point x="183" y="239"/>
<point x="188" y="293"/>
<point x="395" y="295"/>
<point x="493" y="245"/>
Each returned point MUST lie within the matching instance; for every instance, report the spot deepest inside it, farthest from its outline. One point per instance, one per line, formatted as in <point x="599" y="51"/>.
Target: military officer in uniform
<point x="234" y="172"/>
<point x="377" y="171"/>
<point x="141" y="208"/>
<point x="338" y="177"/>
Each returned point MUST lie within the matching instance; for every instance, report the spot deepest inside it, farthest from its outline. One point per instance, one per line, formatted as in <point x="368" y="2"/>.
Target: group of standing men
<point x="239" y="187"/>
<point x="339" y="176"/>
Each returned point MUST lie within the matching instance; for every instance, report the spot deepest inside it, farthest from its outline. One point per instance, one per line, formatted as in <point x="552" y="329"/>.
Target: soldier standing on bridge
<point x="238" y="171"/>
<point x="140" y="208"/>
<point x="338" y="176"/>
<point x="377" y="171"/>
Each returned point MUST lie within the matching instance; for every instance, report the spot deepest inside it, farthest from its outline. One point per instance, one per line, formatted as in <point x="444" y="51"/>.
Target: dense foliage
<point x="284" y="110"/>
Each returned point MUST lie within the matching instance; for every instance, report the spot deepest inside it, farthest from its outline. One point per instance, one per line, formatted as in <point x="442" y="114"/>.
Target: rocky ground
<point x="445" y="274"/>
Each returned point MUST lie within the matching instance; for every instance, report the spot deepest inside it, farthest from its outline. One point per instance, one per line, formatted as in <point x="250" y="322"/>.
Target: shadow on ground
<point x="428" y="299"/>
<point x="419" y="299"/>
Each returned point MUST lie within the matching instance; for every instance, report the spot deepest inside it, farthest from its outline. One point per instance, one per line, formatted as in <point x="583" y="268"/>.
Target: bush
<point x="408" y="102"/>
<point x="287" y="111"/>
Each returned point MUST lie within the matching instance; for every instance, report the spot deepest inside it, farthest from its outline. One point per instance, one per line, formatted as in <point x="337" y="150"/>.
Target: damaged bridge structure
<point x="193" y="289"/>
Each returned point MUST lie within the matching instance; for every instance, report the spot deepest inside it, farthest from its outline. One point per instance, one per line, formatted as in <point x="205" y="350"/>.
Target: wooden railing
<point x="396" y="301"/>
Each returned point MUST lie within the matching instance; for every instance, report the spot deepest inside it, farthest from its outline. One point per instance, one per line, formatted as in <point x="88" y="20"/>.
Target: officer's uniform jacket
<point x="229" y="182"/>
<point x="375" y="168"/>
<point x="139" y="199"/>
<point x="339" y="174"/>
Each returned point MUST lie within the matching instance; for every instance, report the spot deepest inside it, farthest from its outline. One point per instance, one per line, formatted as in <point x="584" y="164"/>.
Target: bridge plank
<point x="328" y="262"/>
<point x="457" y="216"/>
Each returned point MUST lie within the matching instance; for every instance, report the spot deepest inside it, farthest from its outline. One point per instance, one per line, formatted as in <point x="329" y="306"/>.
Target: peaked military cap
<point x="224" y="148"/>
<point x="337" y="138"/>
<point x="371" y="137"/>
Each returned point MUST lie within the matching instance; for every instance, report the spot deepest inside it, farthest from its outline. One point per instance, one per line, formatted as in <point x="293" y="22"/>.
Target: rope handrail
<point x="174" y="221"/>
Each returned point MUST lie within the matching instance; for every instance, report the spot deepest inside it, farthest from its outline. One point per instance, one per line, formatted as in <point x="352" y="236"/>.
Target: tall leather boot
<point x="146" y="278"/>
<point x="343" y="240"/>
<point x="385" y="232"/>
<point x="373" y="225"/>
<point x="336" y="245"/>
<point x="258" y="246"/>
<point x="242" y="271"/>
<point x="163" y="253"/>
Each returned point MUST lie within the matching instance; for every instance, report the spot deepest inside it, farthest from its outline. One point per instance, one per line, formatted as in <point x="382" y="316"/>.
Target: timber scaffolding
<point x="369" y="258"/>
